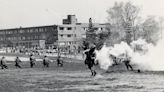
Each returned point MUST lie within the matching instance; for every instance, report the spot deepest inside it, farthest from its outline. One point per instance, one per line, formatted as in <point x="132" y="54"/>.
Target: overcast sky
<point x="25" y="13"/>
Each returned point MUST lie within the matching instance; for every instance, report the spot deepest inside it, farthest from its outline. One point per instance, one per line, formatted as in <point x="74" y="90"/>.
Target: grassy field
<point x="75" y="77"/>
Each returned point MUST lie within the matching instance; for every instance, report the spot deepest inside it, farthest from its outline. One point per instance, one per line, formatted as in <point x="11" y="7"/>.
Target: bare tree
<point x="151" y="30"/>
<point x="122" y="17"/>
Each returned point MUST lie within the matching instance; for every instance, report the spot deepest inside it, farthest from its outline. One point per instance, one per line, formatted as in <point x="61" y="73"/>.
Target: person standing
<point x="3" y="63"/>
<point x="114" y="58"/>
<point x="17" y="62"/>
<point x="32" y="61"/>
<point x="90" y="60"/>
<point x="59" y="61"/>
<point x="46" y="61"/>
<point x="127" y="64"/>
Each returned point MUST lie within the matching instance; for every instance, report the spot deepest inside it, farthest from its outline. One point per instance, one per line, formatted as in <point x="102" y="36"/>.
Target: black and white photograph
<point x="81" y="46"/>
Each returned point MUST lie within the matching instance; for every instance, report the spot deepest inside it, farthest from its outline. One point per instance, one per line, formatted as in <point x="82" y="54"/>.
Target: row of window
<point x="23" y="31"/>
<point x="67" y="35"/>
<point x="84" y="28"/>
<point x="66" y="28"/>
<point x="96" y="28"/>
<point x="22" y="38"/>
<point x="70" y="42"/>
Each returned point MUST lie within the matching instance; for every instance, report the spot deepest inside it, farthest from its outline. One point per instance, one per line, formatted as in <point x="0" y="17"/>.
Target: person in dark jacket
<point x="127" y="64"/>
<point x="3" y="63"/>
<point x="32" y="61"/>
<point x="59" y="61"/>
<point x="46" y="61"/>
<point x="114" y="58"/>
<point x="17" y="62"/>
<point x="90" y="60"/>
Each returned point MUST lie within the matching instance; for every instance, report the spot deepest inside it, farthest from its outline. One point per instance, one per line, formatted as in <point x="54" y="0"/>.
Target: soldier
<point x="32" y="61"/>
<point x="127" y="64"/>
<point x="114" y="59"/>
<point x="59" y="61"/>
<point x="90" y="60"/>
<point x="3" y="63"/>
<point x="46" y="61"/>
<point x="17" y="62"/>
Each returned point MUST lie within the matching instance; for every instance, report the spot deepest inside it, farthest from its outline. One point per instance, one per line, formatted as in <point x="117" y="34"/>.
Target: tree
<point x="122" y="17"/>
<point x="151" y="30"/>
<point x="94" y="37"/>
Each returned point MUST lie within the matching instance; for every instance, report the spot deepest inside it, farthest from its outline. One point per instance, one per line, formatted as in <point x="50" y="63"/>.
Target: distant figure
<point x="17" y="62"/>
<point x="127" y="64"/>
<point x="32" y="61"/>
<point x="46" y="61"/>
<point x="59" y="61"/>
<point x="90" y="60"/>
<point x="114" y="59"/>
<point x="138" y="70"/>
<point x="3" y="63"/>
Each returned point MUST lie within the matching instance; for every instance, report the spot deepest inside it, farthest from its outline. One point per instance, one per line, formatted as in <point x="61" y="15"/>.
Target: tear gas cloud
<point x="142" y="54"/>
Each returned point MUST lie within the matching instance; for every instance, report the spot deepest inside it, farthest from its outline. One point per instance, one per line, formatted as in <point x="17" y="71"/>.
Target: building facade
<point x="71" y="33"/>
<point x="29" y="37"/>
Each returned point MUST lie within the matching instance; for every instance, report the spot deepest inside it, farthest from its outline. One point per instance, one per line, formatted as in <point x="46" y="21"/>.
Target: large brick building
<point x="69" y="35"/>
<point x="29" y="37"/>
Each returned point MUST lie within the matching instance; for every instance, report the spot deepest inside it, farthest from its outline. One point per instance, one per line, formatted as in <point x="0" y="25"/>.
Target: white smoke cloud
<point x="103" y="57"/>
<point x="143" y="55"/>
<point x="153" y="58"/>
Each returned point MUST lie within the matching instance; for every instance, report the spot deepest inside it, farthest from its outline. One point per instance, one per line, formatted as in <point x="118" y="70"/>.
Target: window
<point x="1" y="32"/>
<point x="61" y="35"/>
<point x="19" y="38"/>
<point x="28" y="38"/>
<point x="31" y="30"/>
<point x="69" y="28"/>
<point x="23" y="38"/>
<point x="69" y="42"/>
<point x="36" y="37"/>
<point x="15" y="32"/>
<point x="68" y="35"/>
<point x="36" y="30"/>
<point x="8" y="38"/>
<point x="61" y="28"/>
<point x="1" y="39"/>
<point x="41" y="30"/>
<point x="9" y="32"/>
<point x="21" y="31"/>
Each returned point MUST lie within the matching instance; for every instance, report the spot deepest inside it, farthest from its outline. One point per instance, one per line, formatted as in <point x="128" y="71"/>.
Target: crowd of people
<point x="89" y="61"/>
<point x="32" y="61"/>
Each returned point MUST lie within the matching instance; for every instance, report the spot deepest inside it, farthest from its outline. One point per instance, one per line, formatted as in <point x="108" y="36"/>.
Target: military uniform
<point x="32" y="61"/>
<point x="127" y="64"/>
<point x="90" y="60"/>
<point x="46" y="62"/>
<point x="3" y="63"/>
<point x="59" y="61"/>
<point x="17" y="63"/>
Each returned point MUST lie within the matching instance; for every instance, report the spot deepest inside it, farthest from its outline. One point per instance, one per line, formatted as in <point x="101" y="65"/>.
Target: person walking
<point x="59" y="61"/>
<point x="90" y="60"/>
<point x="17" y="62"/>
<point x="32" y="61"/>
<point x="46" y="61"/>
<point x="3" y="63"/>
